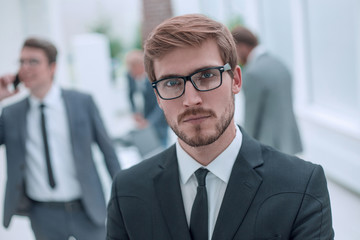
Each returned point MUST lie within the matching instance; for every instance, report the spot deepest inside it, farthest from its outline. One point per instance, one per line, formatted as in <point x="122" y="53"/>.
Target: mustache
<point x="196" y="111"/>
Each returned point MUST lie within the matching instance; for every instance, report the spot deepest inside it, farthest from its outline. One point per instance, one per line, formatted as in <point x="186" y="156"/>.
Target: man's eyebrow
<point x="174" y="75"/>
<point x="170" y="76"/>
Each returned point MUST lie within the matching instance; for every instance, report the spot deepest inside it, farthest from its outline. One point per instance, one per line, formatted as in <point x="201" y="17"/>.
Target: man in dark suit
<point x="143" y="102"/>
<point x="216" y="182"/>
<point x="51" y="173"/>
<point x="269" y="114"/>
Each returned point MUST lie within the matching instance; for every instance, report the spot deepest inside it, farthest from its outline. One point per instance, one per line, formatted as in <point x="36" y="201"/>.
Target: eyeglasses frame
<point x="222" y="69"/>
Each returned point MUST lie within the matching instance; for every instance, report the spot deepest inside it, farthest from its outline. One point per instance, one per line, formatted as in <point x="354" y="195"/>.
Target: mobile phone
<point x="16" y="81"/>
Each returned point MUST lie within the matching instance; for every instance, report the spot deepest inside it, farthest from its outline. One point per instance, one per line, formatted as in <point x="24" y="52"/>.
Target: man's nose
<point x="192" y="97"/>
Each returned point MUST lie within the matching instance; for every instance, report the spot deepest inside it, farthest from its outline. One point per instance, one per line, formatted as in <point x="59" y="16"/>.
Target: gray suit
<point x="86" y="127"/>
<point x="269" y="115"/>
<point x="270" y="195"/>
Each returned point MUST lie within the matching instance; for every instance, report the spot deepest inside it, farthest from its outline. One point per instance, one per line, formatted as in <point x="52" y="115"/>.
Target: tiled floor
<point x="345" y="211"/>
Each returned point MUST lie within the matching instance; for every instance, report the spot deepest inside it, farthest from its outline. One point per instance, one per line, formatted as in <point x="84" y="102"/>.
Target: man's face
<point x="35" y="71"/>
<point x="198" y="118"/>
<point x="137" y="70"/>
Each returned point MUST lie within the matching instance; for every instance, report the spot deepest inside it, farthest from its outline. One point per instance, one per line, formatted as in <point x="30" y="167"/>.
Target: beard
<point x="199" y="136"/>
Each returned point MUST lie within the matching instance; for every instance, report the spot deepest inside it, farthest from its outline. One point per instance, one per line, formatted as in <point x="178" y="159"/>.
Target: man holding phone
<point x="16" y="81"/>
<point x="51" y="176"/>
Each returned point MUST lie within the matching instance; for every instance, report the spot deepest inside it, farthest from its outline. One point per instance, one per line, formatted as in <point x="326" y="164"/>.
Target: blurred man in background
<point x="51" y="173"/>
<point x="269" y="114"/>
<point x="145" y="109"/>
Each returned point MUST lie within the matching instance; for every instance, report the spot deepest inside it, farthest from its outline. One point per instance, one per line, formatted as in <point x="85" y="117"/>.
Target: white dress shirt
<point x="37" y="185"/>
<point x="216" y="180"/>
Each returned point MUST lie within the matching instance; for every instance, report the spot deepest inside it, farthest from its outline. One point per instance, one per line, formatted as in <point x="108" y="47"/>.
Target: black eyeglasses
<point x="203" y="80"/>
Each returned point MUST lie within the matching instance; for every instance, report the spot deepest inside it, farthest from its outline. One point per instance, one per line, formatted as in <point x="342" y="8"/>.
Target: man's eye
<point x="207" y="75"/>
<point x="33" y="61"/>
<point x="173" y="82"/>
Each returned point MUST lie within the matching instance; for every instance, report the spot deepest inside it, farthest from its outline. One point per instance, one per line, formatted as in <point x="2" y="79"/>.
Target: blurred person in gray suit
<point x="142" y="99"/>
<point x="51" y="173"/>
<point x="269" y="115"/>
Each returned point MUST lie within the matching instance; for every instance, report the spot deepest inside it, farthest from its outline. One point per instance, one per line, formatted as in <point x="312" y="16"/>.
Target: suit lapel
<point x="168" y="192"/>
<point x="70" y="109"/>
<point x="71" y="112"/>
<point x="241" y="190"/>
<point x="24" y="107"/>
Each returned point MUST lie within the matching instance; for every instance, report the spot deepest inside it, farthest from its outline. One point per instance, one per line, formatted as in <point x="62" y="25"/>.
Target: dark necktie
<point x="46" y="147"/>
<point x="199" y="212"/>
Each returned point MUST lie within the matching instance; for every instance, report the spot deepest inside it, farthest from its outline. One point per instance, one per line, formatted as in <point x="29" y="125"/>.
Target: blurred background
<point x="318" y="40"/>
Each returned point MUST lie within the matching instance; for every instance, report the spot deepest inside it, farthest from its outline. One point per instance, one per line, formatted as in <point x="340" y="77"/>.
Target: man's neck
<point x="206" y="154"/>
<point x="41" y="92"/>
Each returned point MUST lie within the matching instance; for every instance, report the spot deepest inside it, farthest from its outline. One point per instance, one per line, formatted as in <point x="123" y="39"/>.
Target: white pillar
<point x="92" y="71"/>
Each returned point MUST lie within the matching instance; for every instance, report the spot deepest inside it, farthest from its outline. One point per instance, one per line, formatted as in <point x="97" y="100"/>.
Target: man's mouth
<point x="196" y="118"/>
<point x="195" y="115"/>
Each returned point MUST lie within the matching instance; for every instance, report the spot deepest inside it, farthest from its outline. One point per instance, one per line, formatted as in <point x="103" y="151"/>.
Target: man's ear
<point x="236" y="83"/>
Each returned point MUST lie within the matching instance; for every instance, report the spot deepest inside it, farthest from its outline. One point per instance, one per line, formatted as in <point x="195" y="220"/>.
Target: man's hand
<point x="5" y="80"/>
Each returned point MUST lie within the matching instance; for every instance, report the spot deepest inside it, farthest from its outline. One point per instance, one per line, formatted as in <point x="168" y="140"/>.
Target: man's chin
<point x="197" y="138"/>
<point x="199" y="141"/>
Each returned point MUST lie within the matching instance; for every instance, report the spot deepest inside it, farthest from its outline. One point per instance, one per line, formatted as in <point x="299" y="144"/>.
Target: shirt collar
<point x="220" y="166"/>
<point x="52" y="98"/>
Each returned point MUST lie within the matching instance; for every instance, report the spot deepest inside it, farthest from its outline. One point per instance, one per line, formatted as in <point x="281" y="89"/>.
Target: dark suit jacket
<point x="269" y="114"/>
<point x="152" y="111"/>
<point x="270" y="195"/>
<point x="86" y="128"/>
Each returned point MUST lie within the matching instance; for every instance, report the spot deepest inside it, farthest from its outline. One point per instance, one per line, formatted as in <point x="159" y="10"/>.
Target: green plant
<point x="235" y="21"/>
<point x="104" y="27"/>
